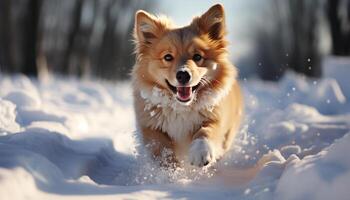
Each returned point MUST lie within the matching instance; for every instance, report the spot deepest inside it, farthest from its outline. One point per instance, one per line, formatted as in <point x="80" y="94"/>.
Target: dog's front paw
<point x="201" y="152"/>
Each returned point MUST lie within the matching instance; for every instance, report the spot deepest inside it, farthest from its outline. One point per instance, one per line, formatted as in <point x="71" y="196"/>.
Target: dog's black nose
<point x="183" y="77"/>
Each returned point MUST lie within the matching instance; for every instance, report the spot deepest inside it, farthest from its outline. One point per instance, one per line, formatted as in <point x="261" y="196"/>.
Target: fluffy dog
<point x="187" y="101"/>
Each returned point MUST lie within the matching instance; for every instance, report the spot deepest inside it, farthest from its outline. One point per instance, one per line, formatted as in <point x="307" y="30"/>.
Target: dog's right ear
<point x="147" y="27"/>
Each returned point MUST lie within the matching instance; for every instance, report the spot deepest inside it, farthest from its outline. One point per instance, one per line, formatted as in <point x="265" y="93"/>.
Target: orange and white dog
<point x="187" y="101"/>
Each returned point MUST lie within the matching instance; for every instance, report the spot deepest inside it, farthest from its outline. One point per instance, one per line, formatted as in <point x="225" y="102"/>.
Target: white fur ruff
<point x="176" y="119"/>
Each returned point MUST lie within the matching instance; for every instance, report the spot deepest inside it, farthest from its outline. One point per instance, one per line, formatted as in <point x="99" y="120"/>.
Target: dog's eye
<point x="196" y="57"/>
<point x="168" y="57"/>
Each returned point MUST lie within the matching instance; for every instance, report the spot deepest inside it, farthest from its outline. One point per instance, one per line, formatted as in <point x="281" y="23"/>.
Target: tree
<point x="18" y="33"/>
<point x="289" y="39"/>
<point x="74" y="37"/>
<point x="339" y="23"/>
<point x="31" y="23"/>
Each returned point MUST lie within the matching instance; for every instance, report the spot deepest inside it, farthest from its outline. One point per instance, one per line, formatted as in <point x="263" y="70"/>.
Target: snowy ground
<point x="77" y="140"/>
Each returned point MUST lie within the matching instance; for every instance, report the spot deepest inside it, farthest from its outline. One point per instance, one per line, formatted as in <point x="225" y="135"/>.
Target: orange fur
<point x="202" y="130"/>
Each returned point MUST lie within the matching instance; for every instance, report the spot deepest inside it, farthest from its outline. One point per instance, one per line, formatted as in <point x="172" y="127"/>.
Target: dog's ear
<point x="212" y="22"/>
<point x="147" y="27"/>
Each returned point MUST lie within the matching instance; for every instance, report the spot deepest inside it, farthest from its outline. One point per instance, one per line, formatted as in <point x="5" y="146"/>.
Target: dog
<point x="187" y="101"/>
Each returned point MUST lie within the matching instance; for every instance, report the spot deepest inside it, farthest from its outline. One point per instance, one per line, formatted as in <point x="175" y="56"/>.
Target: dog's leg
<point x="215" y="137"/>
<point x="160" y="145"/>
<point x="205" y="147"/>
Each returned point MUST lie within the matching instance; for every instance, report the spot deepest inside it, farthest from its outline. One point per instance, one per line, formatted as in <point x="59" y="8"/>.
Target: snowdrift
<point x="66" y="138"/>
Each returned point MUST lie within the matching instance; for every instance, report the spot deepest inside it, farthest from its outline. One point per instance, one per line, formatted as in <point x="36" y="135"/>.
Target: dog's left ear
<point x="212" y="22"/>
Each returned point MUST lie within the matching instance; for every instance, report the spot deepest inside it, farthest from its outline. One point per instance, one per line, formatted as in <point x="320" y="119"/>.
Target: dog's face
<point x="184" y="60"/>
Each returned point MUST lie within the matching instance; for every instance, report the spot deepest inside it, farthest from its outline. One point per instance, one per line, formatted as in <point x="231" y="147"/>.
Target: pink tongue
<point x="184" y="93"/>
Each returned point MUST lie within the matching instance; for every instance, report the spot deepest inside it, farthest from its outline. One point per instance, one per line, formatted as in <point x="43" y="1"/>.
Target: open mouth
<point x="183" y="93"/>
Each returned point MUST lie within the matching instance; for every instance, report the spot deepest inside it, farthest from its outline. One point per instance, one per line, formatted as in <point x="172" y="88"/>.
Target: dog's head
<point x="184" y="61"/>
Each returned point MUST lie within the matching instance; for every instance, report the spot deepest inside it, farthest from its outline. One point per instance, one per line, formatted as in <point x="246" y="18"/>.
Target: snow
<point x="8" y="117"/>
<point x="77" y="139"/>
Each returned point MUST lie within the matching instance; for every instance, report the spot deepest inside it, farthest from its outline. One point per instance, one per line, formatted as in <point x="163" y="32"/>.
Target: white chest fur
<point x="165" y="113"/>
<point x="179" y="125"/>
<point x="170" y="116"/>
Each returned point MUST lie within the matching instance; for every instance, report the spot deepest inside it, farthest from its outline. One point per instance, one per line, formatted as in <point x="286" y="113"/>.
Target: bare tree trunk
<point x="6" y="60"/>
<point x="340" y="36"/>
<point x="30" y="37"/>
<point x="69" y="53"/>
<point x="107" y="48"/>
